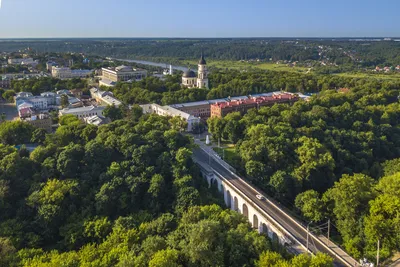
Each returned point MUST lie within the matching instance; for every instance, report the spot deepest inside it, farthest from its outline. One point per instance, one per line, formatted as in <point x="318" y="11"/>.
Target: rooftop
<point x="198" y="103"/>
<point x="257" y="100"/>
<point x="167" y="109"/>
<point x="81" y="109"/>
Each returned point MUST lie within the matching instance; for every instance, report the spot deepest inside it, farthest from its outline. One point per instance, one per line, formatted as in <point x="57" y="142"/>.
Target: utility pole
<point x="377" y="255"/>
<point x="329" y="228"/>
<point x="307" y="237"/>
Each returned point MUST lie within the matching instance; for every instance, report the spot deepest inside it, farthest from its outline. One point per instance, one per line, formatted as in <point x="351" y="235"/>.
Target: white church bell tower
<point x="202" y="77"/>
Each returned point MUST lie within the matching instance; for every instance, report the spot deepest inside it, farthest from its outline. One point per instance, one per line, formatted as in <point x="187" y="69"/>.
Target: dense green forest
<point x="331" y="157"/>
<point x="340" y="51"/>
<point x="122" y="194"/>
<point x="235" y="83"/>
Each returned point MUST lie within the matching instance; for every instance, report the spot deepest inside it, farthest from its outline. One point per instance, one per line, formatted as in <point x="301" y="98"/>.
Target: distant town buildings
<point x="49" y="65"/>
<point x="22" y="61"/>
<point x="121" y="74"/>
<point x="96" y="120"/>
<point x="191" y="80"/>
<point x="172" y="112"/>
<point x="5" y="82"/>
<point x="104" y="97"/>
<point x="222" y="109"/>
<point x="67" y="73"/>
<point x="169" y="71"/>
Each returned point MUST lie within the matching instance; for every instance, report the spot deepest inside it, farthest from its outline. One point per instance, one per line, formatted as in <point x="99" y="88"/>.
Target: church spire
<point x="202" y="61"/>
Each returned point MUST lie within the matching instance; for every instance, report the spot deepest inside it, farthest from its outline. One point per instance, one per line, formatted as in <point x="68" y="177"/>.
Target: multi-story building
<point x="172" y="112"/>
<point x="67" y="73"/>
<point x="52" y="98"/>
<point x="43" y="121"/>
<point x="49" y="65"/>
<point x="96" y="120"/>
<point x="104" y="97"/>
<point x="199" y="108"/>
<point x="37" y="102"/>
<point x="123" y="74"/>
<point x="22" y="61"/>
<point x="43" y="102"/>
<point x="76" y="92"/>
<point x="5" y="82"/>
<point x="222" y="109"/>
<point x="83" y="112"/>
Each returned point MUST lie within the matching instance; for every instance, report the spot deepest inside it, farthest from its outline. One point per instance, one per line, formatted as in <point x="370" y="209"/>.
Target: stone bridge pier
<point x="238" y="202"/>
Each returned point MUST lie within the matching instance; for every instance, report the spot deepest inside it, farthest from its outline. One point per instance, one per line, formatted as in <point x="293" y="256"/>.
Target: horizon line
<point x="253" y="37"/>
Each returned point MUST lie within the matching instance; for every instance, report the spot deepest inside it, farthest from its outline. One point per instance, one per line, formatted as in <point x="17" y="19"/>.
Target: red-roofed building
<point x="222" y="109"/>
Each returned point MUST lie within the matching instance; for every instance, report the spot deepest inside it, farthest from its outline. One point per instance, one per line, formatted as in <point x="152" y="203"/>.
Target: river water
<point x="156" y="64"/>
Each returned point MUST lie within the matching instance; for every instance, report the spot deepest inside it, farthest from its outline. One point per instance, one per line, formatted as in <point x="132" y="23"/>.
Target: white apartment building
<point x="172" y="112"/>
<point x="122" y="74"/>
<point x="104" y="97"/>
<point x="22" y="61"/>
<point x="83" y="112"/>
<point x="42" y="102"/>
<point x="67" y="73"/>
<point x="37" y="102"/>
<point x="52" y="98"/>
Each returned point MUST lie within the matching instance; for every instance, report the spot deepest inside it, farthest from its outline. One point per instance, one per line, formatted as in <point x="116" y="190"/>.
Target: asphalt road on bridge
<point x="298" y="232"/>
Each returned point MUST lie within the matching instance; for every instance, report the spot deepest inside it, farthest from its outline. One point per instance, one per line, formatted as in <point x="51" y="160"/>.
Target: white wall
<point x="236" y="200"/>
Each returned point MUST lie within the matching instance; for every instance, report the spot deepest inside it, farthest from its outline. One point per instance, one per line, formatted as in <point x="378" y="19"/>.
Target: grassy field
<point x="230" y="154"/>
<point x="242" y="65"/>
<point x="370" y="75"/>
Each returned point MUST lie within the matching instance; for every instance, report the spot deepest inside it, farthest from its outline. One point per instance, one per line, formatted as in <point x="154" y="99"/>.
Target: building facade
<point x="191" y="80"/>
<point x="23" y="61"/>
<point x="172" y="112"/>
<point x="83" y="112"/>
<point x="67" y="73"/>
<point x="104" y="97"/>
<point x="199" y="108"/>
<point x="123" y="74"/>
<point x="242" y="106"/>
<point x="5" y="82"/>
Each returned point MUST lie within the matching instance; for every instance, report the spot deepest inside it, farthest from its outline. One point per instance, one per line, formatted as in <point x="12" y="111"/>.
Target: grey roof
<point x="81" y="109"/>
<point x="189" y="74"/>
<point x="198" y="103"/>
<point x="202" y="61"/>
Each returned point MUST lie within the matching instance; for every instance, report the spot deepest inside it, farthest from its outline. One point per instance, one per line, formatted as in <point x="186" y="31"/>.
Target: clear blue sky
<point x="207" y="18"/>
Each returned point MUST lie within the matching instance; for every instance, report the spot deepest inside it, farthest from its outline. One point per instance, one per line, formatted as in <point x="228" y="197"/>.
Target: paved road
<point x="8" y="109"/>
<point x="298" y="232"/>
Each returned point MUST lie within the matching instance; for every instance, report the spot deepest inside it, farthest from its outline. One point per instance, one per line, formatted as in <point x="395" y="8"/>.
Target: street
<point x="300" y="233"/>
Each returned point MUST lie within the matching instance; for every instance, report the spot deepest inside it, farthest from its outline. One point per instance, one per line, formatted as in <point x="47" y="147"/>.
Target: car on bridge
<point x="260" y="197"/>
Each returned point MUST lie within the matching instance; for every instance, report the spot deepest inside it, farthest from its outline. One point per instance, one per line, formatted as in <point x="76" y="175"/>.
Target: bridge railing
<point x="271" y="220"/>
<point x="337" y="256"/>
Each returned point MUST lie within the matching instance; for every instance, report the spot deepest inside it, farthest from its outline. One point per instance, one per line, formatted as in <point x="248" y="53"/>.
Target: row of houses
<point x="243" y="105"/>
<point x="221" y="107"/>
<point x="195" y="112"/>
<point x="35" y="109"/>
